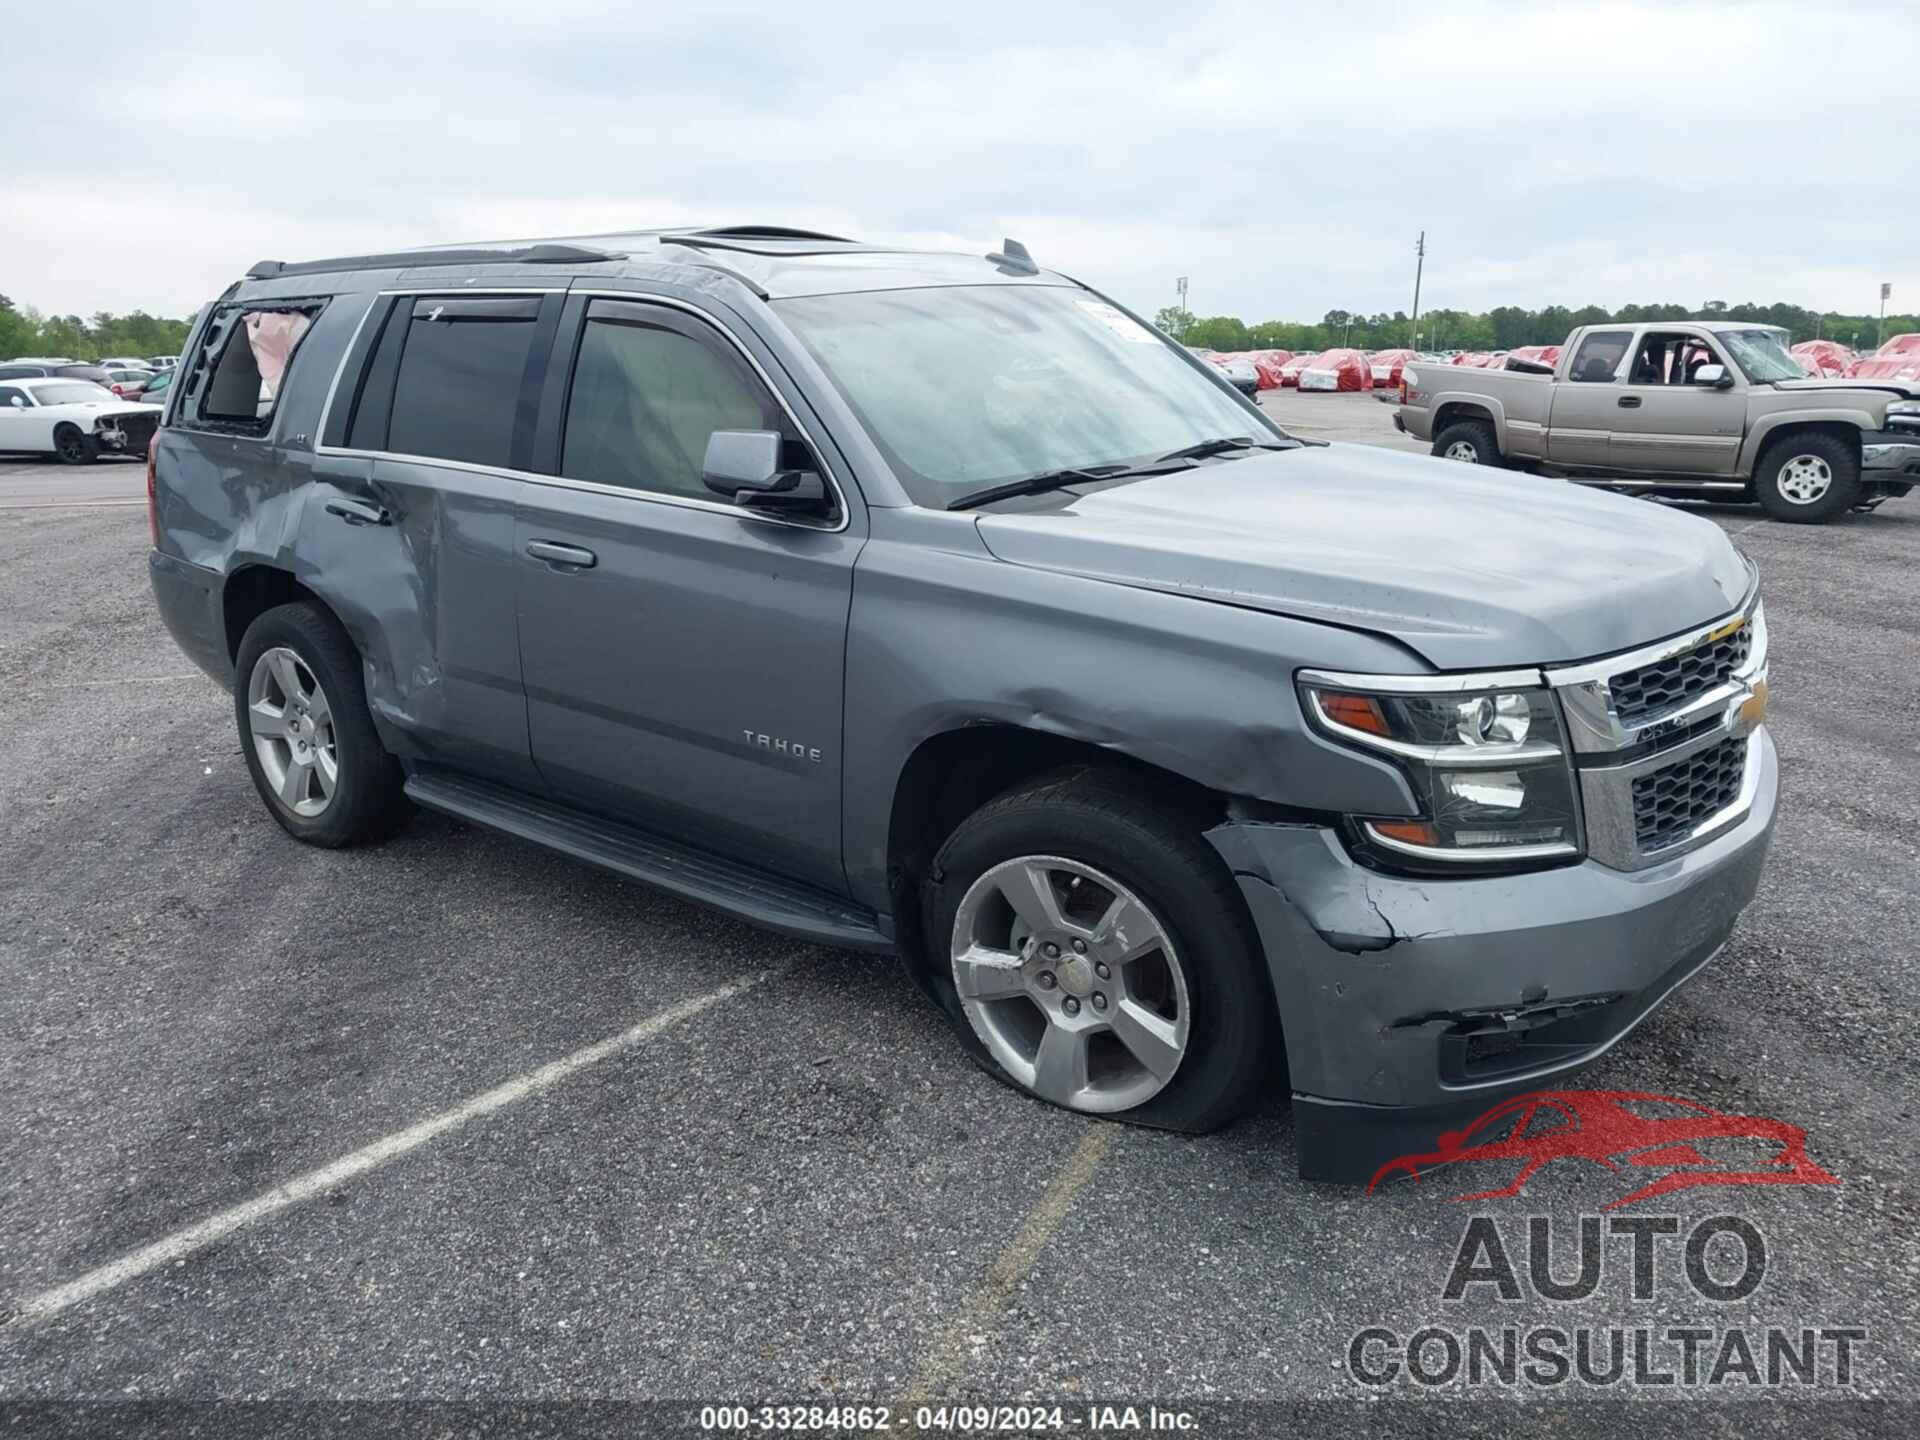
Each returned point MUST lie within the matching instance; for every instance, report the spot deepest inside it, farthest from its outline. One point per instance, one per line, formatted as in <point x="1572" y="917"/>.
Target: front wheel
<point x="1098" y="955"/>
<point x="1470" y="441"/>
<point x="74" y="448"/>
<point x="1808" y="479"/>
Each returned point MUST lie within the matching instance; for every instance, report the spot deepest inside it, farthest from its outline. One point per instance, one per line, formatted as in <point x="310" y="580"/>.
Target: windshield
<point x="1762" y="354"/>
<point x="71" y="392"/>
<point x="969" y="385"/>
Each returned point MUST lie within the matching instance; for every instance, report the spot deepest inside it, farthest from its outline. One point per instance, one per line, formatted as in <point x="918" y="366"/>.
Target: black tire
<point x="1815" y="448"/>
<point x="368" y="802"/>
<point x="73" y="448"/>
<point x="1477" y="434"/>
<point x="1116" y="824"/>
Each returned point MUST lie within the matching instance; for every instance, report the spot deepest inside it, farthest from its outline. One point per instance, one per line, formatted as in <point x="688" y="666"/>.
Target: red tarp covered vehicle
<point x="1475" y="358"/>
<point x="1290" y="370"/>
<point x="1538" y="354"/>
<point x="1387" y="365"/>
<point x="1822" y="359"/>
<point x="1337" y="370"/>
<point x="1886" y="367"/>
<point x="1266" y="364"/>
<point x="1899" y="345"/>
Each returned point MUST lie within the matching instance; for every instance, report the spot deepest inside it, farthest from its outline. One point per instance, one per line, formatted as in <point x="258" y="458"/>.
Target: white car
<point x="76" y="420"/>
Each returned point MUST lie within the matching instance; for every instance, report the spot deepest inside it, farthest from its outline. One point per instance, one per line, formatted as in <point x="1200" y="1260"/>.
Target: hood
<point x="1474" y="568"/>
<point x="1876" y="384"/>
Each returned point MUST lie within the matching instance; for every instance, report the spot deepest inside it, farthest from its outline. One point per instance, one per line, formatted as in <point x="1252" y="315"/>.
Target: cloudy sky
<point x="1282" y="155"/>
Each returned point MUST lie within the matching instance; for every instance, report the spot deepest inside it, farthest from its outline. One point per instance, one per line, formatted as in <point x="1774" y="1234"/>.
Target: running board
<point x="769" y="901"/>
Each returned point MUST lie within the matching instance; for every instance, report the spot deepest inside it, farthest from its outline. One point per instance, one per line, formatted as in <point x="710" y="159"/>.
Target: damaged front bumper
<point x="1890" y="457"/>
<point x="126" y="434"/>
<point x="1412" y="1005"/>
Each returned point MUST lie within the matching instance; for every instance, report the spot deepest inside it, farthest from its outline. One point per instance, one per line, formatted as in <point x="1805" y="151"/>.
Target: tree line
<point x="1505" y="327"/>
<point x="25" y="331"/>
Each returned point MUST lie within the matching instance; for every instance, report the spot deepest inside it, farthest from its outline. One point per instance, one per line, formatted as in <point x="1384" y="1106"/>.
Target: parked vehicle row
<point x="634" y="548"/>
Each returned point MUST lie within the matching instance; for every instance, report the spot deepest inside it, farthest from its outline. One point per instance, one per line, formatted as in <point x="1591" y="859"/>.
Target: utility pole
<point x="1880" y="332"/>
<point x="1419" y="265"/>
<point x="1186" y="315"/>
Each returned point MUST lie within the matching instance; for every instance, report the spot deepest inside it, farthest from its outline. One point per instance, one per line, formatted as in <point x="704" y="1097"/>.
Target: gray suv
<point x="935" y="605"/>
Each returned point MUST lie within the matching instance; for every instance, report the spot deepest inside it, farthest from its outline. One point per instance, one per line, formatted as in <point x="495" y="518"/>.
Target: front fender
<point x="943" y="635"/>
<point x="1765" y="426"/>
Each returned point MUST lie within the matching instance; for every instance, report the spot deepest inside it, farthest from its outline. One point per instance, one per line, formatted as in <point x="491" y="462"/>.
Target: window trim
<point x="561" y="482"/>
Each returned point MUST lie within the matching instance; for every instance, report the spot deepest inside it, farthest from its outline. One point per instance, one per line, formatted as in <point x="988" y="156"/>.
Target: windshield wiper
<point x="1038" y="484"/>
<point x="1204" y="448"/>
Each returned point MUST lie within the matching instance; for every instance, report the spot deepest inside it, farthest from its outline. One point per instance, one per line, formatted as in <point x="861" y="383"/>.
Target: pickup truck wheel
<point x="1471" y="441"/>
<point x="1099" y="956"/>
<point x="309" y="741"/>
<point x="1808" y="479"/>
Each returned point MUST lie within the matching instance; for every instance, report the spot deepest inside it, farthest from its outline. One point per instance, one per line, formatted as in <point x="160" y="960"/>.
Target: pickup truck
<point x="1693" y="408"/>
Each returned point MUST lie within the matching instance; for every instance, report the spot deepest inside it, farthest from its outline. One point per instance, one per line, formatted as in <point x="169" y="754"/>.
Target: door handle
<point x="1629" y="402"/>
<point x="557" y="554"/>
<point x="358" y="512"/>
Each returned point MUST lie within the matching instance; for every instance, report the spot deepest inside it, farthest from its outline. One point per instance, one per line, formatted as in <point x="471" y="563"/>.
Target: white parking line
<point x="316" y="1182"/>
<point x="967" y="1328"/>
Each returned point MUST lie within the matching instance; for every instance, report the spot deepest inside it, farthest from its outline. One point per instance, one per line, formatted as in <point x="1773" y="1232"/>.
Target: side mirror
<point x="1713" y="376"/>
<point x="17" y="401"/>
<point x="745" y="466"/>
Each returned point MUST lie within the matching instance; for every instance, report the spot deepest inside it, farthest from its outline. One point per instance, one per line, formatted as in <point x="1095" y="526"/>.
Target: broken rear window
<point x="241" y="369"/>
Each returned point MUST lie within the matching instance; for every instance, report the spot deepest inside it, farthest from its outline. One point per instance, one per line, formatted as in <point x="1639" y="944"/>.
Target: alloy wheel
<point x="1071" y="982"/>
<point x="1804" y="479"/>
<point x="292" y="731"/>
<point x="1462" y="450"/>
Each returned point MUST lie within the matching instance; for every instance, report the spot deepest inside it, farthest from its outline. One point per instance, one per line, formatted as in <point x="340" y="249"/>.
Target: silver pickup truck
<point x="1700" y="408"/>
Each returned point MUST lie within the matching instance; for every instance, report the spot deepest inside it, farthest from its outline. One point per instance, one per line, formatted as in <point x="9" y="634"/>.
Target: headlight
<point x="1904" y="413"/>
<point x="1488" y="765"/>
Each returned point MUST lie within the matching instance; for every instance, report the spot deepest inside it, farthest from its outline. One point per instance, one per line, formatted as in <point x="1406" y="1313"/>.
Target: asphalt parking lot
<point x="782" y="1182"/>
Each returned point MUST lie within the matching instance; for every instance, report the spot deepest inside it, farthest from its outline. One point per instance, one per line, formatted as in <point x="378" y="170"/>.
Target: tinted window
<point x="1599" y="356"/>
<point x="458" y="387"/>
<point x="20" y="372"/>
<point x="10" y="393"/>
<point x="648" y="390"/>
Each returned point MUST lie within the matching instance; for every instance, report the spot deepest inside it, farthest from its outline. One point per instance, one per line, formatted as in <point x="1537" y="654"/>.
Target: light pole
<point x="1880" y="330"/>
<point x="1180" y="285"/>
<point x="1419" y="265"/>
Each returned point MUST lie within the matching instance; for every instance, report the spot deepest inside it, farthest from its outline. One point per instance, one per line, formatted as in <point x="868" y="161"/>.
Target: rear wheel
<point x="1807" y="479"/>
<point x="309" y="741"/>
<point x="1469" y="441"/>
<point x="1098" y="955"/>
<point x="74" y="448"/>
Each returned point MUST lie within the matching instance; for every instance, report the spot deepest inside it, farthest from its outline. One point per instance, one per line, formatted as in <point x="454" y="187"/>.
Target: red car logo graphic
<point x="1620" y="1129"/>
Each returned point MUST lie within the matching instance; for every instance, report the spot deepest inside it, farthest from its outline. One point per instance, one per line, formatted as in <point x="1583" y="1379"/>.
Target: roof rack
<point x="542" y="254"/>
<point x="769" y="232"/>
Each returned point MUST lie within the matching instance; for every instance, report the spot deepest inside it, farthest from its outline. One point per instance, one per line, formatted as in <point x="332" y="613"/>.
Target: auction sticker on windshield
<point x="1122" y="324"/>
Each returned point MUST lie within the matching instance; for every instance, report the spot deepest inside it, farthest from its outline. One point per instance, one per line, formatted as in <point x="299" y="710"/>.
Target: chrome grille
<point x="1670" y="801"/>
<point x="1651" y="689"/>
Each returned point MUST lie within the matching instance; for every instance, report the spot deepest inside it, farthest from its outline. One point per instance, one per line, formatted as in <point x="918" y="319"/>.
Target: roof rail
<point x="542" y="254"/>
